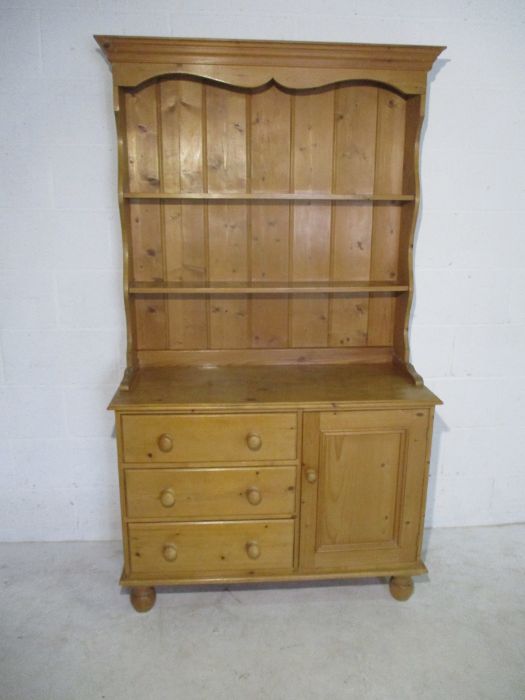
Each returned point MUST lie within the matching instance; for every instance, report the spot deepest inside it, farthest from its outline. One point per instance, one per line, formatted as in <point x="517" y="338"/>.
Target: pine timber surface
<point x="278" y="386"/>
<point x="269" y="194"/>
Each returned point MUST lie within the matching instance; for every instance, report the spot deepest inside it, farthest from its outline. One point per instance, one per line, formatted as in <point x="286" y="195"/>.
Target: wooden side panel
<point x="270" y="136"/>
<point x="125" y="215"/>
<point x="414" y="119"/>
<point x="184" y="224"/>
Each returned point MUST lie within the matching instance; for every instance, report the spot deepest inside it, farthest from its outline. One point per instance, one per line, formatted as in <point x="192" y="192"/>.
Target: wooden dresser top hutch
<point x="270" y="425"/>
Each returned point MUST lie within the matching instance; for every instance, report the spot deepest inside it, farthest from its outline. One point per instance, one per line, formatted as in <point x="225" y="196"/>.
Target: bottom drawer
<point x="208" y="547"/>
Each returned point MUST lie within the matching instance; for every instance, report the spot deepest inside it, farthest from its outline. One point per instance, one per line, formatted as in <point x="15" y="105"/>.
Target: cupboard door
<point x="364" y="481"/>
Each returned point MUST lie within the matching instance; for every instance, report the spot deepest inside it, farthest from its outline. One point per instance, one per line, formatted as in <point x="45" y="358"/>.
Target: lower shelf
<point x="273" y="387"/>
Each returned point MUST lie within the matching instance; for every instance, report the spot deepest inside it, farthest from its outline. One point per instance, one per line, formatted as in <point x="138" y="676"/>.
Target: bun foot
<point x="143" y="598"/>
<point x="401" y="587"/>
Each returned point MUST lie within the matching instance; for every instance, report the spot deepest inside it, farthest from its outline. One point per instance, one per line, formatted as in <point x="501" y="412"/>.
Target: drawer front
<point x="202" y="438"/>
<point x="211" y="547"/>
<point x="210" y="493"/>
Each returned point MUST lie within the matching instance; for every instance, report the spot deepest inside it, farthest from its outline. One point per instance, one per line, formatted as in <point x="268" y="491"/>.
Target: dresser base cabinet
<point x="283" y="491"/>
<point x="270" y="424"/>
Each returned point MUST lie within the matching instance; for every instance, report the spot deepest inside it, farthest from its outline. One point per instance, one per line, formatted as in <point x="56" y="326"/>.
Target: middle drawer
<point x="210" y="493"/>
<point x="261" y="437"/>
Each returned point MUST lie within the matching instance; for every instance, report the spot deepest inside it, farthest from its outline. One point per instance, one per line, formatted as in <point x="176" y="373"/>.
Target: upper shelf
<point x="272" y="196"/>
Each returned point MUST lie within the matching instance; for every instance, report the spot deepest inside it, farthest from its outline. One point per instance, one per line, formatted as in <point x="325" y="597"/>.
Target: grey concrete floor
<point x="67" y="633"/>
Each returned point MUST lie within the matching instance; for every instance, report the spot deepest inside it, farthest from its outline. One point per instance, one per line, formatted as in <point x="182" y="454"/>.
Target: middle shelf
<point x="244" y="287"/>
<point x="269" y="196"/>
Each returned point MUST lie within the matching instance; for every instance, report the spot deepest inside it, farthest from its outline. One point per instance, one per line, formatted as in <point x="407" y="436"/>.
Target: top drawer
<point x="204" y="438"/>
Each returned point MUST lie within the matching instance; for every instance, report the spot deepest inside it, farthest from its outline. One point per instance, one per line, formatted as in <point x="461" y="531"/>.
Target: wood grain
<point x="272" y="196"/>
<point x="181" y="111"/>
<point x="270" y="144"/>
<point x="355" y="118"/>
<point x="202" y="494"/>
<point x="310" y="386"/>
<point x="386" y="223"/>
<point x="206" y="547"/>
<point x="209" y="438"/>
<point x="269" y="425"/>
<point x="365" y="504"/>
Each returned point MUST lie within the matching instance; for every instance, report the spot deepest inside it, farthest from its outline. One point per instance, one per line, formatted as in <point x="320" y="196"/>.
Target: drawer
<point x="210" y="493"/>
<point x="211" y="547"/>
<point x="203" y="438"/>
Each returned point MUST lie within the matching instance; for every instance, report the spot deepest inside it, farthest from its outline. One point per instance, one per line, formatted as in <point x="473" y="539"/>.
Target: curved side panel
<point x="120" y="119"/>
<point x="406" y="82"/>
<point x="414" y="121"/>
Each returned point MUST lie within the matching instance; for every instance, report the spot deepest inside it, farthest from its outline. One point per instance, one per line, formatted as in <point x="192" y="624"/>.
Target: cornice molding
<point x="129" y="49"/>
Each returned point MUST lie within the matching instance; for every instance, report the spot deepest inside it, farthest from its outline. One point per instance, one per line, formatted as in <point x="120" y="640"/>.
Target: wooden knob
<point x="254" y="441"/>
<point x="253" y="495"/>
<point x="165" y="442"/>
<point x="311" y="476"/>
<point x="253" y="550"/>
<point x="169" y="552"/>
<point x="167" y="498"/>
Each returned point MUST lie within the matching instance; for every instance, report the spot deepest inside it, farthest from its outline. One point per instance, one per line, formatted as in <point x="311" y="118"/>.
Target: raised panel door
<point x="363" y="488"/>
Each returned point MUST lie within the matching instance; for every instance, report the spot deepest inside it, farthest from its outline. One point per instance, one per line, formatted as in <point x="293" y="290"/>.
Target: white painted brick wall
<point x="61" y="318"/>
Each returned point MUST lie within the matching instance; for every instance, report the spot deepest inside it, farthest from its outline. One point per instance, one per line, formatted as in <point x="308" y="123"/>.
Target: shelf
<point x="264" y="287"/>
<point x="271" y="196"/>
<point x="320" y="387"/>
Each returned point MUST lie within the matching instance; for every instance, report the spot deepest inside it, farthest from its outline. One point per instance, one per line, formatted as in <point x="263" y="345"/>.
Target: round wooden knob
<point x="253" y="550"/>
<point x="167" y="498"/>
<point x="311" y="476"/>
<point x="253" y="495"/>
<point x="254" y="441"/>
<point x="165" y="442"/>
<point x="169" y="552"/>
